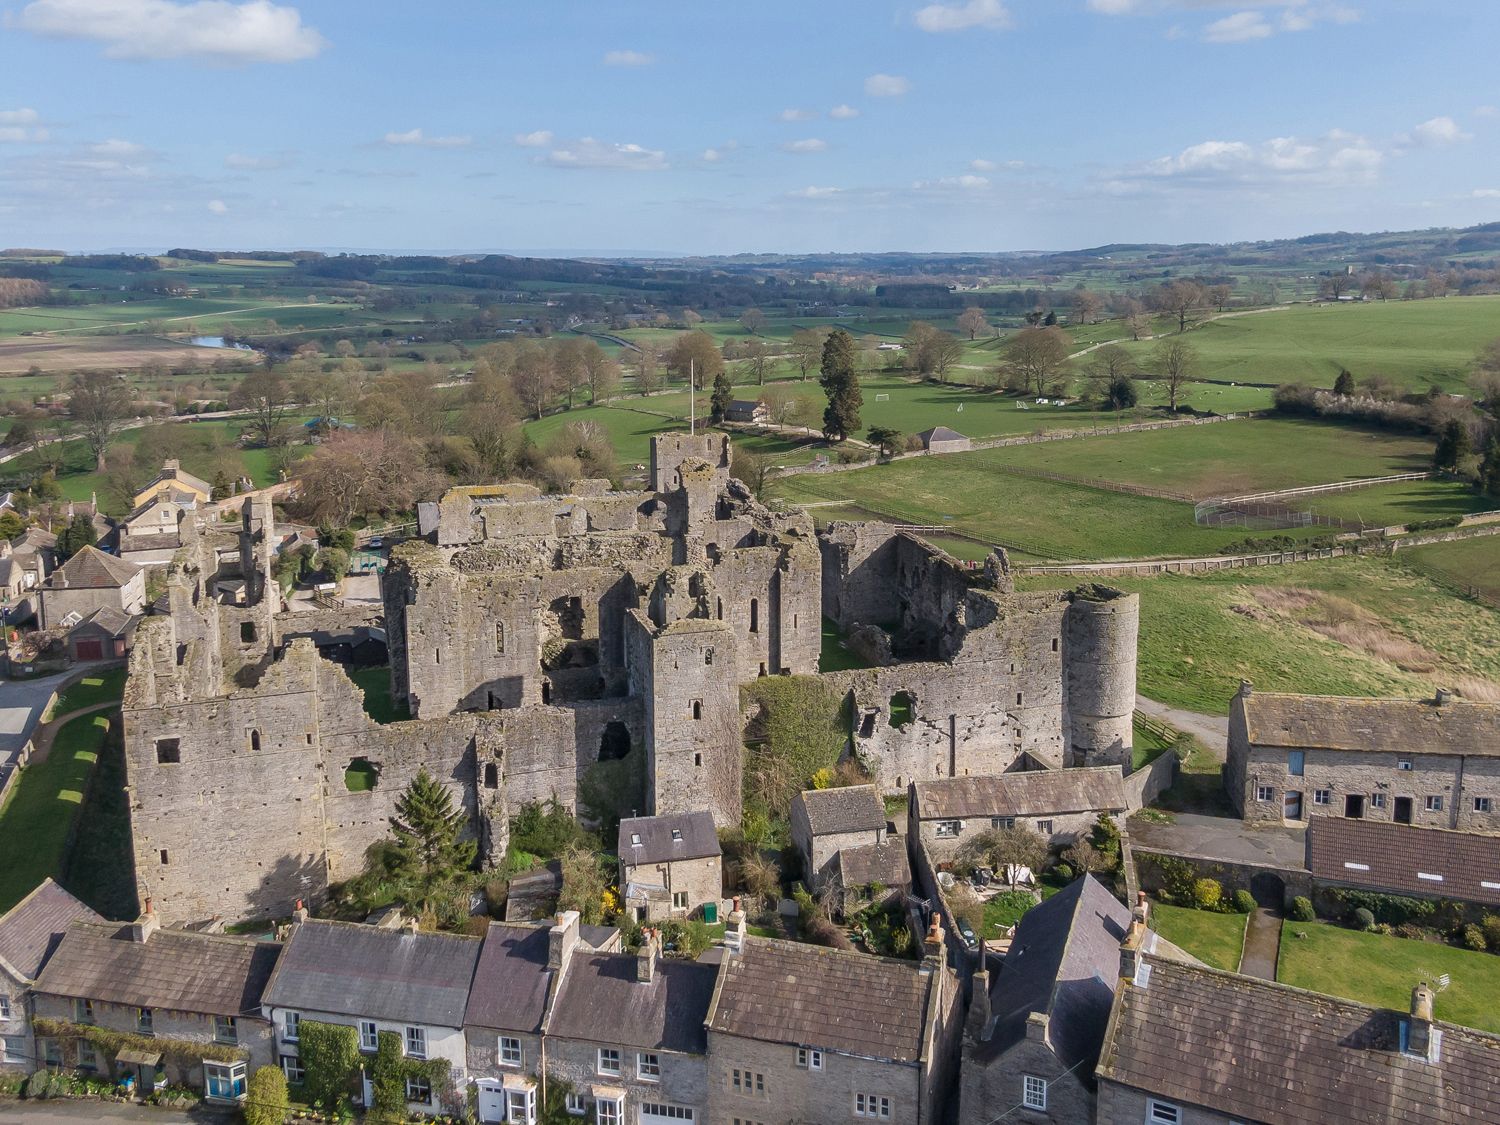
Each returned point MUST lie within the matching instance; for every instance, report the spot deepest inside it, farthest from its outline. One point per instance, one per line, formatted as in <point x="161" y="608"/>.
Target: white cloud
<point x="1486" y="193"/>
<point x="811" y="192"/>
<point x="1486" y="110"/>
<point x="843" y="112"/>
<point x="19" y="117"/>
<point x="243" y="162"/>
<point x="116" y="147"/>
<point x="1242" y="27"/>
<point x="590" y="153"/>
<point x="717" y="153"/>
<point x="1112" y="7"/>
<point x="965" y="183"/>
<point x="797" y="115"/>
<point x="628" y="58"/>
<point x="539" y="139"/>
<point x="419" y="138"/>
<point x="886" y="85"/>
<point x="218" y="206"/>
<point x="1337" y="158"/>
<point x="988" y="14"/>
<point x="983" y="165"/>
<point x="807" y="144"/>
<point x="19" y="126"/>
<point x="211" y="30"/>
<point x="1437" y="132"/>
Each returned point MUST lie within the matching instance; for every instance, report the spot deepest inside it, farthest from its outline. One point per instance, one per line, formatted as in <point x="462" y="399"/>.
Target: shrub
<point x="1207" y="893"/>
<point x="1302" y="909"/>
<point x="1244" y="902"/>
<point x="1473" y="938"/>
<point x="1176" y="879"/>
<point x="1063" y="872"/>
<point x="266" y="1099"/>
<point x="1364" y="919"/>
<point x="1490" y="924"/>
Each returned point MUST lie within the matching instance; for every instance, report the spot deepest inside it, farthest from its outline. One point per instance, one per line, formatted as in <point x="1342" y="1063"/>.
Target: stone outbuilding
<point x="670" y="866"/>
<point x="29" y="933"/>
<point x="1434" y="762"/>
<point x="104" y="634"/>
<point x="749" y="411"/>
<point x="88" y="581"/>
<point x="1398" y="859"/>
<point x="940" y="439"/>
<point x="826" y="821"/>
<point x="1059" y="805"/>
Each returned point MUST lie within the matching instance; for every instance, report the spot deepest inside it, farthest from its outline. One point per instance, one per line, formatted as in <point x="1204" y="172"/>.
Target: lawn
<point x="1416" y="342"/>
<point x="1147" y="746"/>
<point x="41" y="807"/>
<point x="1351" y="626"/>
<point x="835" y="657"/>
<point x="100" y="867"/>
<point x="106" y="686"/>
<point x="1387" y="505"/>
<point x="1215" y="939"/>
<point x="1004" y="911"/>
<point x="375" y="683"/>
<point x="1231" y="458"/>
<point x="1471" y="565"/>
<point x="1382" y="970"/>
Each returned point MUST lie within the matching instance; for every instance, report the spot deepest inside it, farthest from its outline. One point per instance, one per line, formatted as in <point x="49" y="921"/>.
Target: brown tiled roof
<point x="849" y="808"/>
<point x="602" y="1001"/>
<point x="1395" y="857"/>
<point x="1025" y="793"/>
<point x="807" y="995"/>
<point x="658" y="839"/>
<point x="884" y="863"/>
<point x="210" y="974"/>
<point x="1258" y="1051"/>
<point x="92" y="569"/>
<point x="1410" y="726"/>
<point x="31" y="929"/>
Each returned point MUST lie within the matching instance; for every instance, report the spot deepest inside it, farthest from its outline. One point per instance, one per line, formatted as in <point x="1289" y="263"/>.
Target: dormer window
<point x="635" y="839"/>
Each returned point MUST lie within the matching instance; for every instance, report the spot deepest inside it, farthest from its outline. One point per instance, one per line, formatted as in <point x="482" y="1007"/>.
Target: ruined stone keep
<point x="532" y="637"/>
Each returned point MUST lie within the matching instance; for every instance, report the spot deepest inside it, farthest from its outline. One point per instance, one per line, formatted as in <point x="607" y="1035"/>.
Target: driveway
<point x="21" y="703"/>
<point x="1223" y="838"/>
<point x="1211" y="730"/>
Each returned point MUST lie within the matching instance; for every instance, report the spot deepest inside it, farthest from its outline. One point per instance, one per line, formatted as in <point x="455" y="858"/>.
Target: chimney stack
<point x="1134" y="943"/>
<point x="734" y="932"/>
<point x="299" y="913"/>
<point x="1036" y="1027"/>
<point x="561" y="939"/>
<point x="1246" y="689"/>
<point x="1421" y="1039"/>
<point x="934" y="950"/>
<point x="978" y="1023"/>
<point x="147" y="924"/>
<point x="645" y="958"/>
<point x="1444" y="695"/>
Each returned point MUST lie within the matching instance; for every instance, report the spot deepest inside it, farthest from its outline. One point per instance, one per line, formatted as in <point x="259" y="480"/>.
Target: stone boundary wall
<point x="1152" y="780"/>
<point x="1232" y="874"/>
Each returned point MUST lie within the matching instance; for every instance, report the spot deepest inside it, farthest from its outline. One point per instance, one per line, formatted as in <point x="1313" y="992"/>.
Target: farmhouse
<point x="1433" y="762"/>
<point x="747" y="410"/>
<point x="670" y="866"/>
<point x="176" y="482"/>
<point x="89" y="581"/>
<point x="1060" y="805"/>
<point x="827" y="821"/>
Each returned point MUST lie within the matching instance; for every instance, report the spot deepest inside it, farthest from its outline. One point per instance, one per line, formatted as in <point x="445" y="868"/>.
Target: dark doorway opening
<point x="1402" y="812"/>
<point x="614" y="743"/>
<point x="1268" y="890"/>
<point x="1354" y="806"/>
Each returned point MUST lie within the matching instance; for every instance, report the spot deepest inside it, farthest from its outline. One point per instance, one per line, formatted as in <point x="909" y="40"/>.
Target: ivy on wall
<point x="388" y="1075"/>
<point x="184" y="1052"/>
<point x="330" y="1060"/>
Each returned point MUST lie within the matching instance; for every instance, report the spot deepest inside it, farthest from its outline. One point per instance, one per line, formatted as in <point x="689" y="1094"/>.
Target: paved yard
<point x="21" y="703"/>
<point x="1222" y="838"/>
<point x="1211" y="730"/>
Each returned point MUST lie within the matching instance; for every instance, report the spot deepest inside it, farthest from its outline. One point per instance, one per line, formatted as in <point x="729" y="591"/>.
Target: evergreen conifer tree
<point x="723" y="395"/>
<point x="76" y="536"/>
<point x="428" y="854"/>
<point x="1453" y="446"/>
<point x="840" y="381"/>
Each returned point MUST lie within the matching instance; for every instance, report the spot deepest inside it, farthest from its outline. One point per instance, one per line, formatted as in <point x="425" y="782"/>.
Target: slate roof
<point x="1259" y="1051"/>
<point x="807" y="995"/>
<point x="34" y="539"/>
<point x="600" y="1000"/>
<point x="1024" y="793"/>
<point x="849" y="808"/>
<point x="157" y="541"/>
<point x="32" y="929"/>
<point x="348" y="969"/>
<point x="1064" y="961"/>
<point x="92" y="569"/>
<point x="1408" y="726"/>
<point x="695" y="838"/>
<point x="108" y="620"/>
<point x="210" y="974"/>
<point x="884" y="863"/>
<point x="1394" y="857"/>
<point x="511" y="980"/>
<point x="941" y="433"/>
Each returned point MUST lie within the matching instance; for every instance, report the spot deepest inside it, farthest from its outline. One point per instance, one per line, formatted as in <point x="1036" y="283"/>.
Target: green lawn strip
<point x="1387" y="505"/>
<point x="835" y="656"/>
<point x="376" y="684"/>
<point x="106" y="686"/>
<point x="1382" y="970"/>
<point x="1215" y="939"/>
<point x="40" y="808"/>
<point x="100" y="867"/>
<point x="1148" y="746"/>
<point x="1004" y="911"/>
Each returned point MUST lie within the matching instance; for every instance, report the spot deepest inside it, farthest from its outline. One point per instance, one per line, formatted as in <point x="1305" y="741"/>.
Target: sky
<point x="692" y="127"/>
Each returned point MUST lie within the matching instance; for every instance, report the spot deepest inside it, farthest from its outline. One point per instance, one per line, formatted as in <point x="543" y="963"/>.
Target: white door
<point x="491" y="1100"/>
<point x="658" y="1114"/>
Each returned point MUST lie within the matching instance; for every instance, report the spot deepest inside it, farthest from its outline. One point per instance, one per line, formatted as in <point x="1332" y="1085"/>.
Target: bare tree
<point x="363" y="473"/>
<point x="568" y="366"/>
<point x="647" y="371"/>
<point x="100" y="403"/>
<point x="1034" y="357"/>
<point x="753" y="321"/>
<point x="1109" y="361"/>
<point x="757" y="360"/>
<point x="532" y="379"/>
<point x="268" y="399"/>
<point x="1086" y="305"/>
<point x="1175" y="361"/>
<point x="973" y="321"/>
<point x="695" y="353"/>
<point x="1181" y="298"/>
<point x="1335" y="285"/>
<point x="943" y="351"/>
<point x="807" y="349"/>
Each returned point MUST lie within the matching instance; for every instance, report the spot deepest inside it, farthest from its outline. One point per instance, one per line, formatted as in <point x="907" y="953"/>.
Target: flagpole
<point x="692" y="418"/>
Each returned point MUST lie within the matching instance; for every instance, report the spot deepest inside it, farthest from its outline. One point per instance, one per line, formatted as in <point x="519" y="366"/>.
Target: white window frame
<point x="1046" y="827"/>
<point x="416" y="1081"/>
<point x="1265" y="794"/>
<point x="648" y="1066"/>
<point x="7" y="1055"/>
<point x="523" y="1113"/>
<point x="877" y="1106"/>
<point x="510" y="1052"/>
<point x="576" y="1105"/>
<point x="5" y="1009"/>
<point x="292" y="1067"/>
<point x="608" y="1111"/>
<point x="948" y="829"/>
<point x="290" y="1026"/>
<point x="670" y="1112"/>
<point x="679" y="900"/>
<point x="226" y="1030"/>
<point x="1481" y="804"/>
<point x="809" y="1058"/>
<point x="89" y="1061"/>
<point x="613" y="1070"/>
<point x="1434" y="802"/>
<point x="1033" y="1092"/>
<point x="1159" y="1112"/>
<point x="369" y="1036"/>
<point x="1322" y="796"/>
<point x="232" y="1073"/>
<point x="1005" y="822"/>
<point x="1377" y="800"/>
<point x="414" y="1042"/>
<point x="1403" y="763"/>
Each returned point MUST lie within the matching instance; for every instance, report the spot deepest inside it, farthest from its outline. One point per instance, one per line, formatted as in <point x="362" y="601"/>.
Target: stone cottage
<point x="88" y="581"/>
<point x="29" y="934"/>
<point x="670" y="866"/>
<point x="827" y="821"/>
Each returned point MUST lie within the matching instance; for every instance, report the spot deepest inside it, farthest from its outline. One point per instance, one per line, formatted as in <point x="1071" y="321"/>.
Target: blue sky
<point x="693" y="127"/>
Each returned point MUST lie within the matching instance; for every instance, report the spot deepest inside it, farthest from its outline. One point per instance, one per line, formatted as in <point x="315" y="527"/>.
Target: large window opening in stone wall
<point x="247" y="632"/>
<point x="614" y="742"/>
<point x="168" y="751"/>
<point x="902" y="709"/>
<point x="755" y="615"/>
<point x="361" y="775"/>
<point x="491" y="775"/>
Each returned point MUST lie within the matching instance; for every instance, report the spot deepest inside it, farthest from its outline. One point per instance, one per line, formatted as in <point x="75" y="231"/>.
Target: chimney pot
<point x="1444" y="695"/>
<point x="1247" y="688"/>
<point x="1036" y="1027"/>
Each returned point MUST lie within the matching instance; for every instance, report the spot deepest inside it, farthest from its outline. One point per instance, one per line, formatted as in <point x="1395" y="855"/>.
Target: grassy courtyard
<point x="1382" y="970"/>
<point x="1215" y="939"/>
<point x="98" y="687"/>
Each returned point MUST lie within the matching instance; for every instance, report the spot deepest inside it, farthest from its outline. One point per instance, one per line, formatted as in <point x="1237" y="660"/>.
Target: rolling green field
<point x="1469" y="564"/>
<point x="1350" y="626"/>
<point x="1414" y="342"/>
<point x="1382" y="970"/>
<point x="1215" y="939"/>
<point x="1231" y="458"/>
<point x="1387" y="505"/>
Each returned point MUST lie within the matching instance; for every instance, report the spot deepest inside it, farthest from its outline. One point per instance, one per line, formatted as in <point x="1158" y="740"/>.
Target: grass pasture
<point x="1382" y="970"/>
<point x="1414" y="342"/>
<point x="1387" y="505"/>
<point x="1471" y="565"/>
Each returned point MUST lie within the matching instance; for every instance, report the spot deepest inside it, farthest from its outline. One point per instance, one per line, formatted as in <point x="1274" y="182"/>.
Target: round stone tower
<point x="1099" y="638"/>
